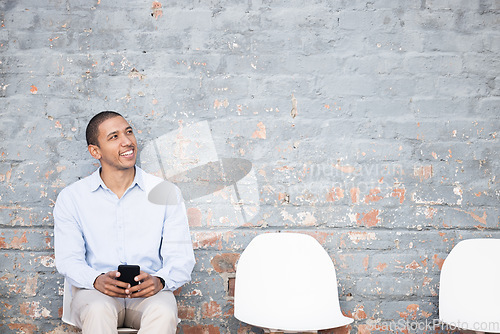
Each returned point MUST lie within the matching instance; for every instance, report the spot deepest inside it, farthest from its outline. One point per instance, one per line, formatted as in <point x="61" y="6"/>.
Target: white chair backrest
<point x="469" y="292"/>
<point x="66" y="316"/>
<point x="287" y="281"/>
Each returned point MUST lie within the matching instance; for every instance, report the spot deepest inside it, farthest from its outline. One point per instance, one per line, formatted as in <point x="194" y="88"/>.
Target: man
<point x="105" y="220"/>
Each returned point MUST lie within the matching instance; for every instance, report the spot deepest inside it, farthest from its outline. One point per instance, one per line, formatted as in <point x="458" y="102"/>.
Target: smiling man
<point x="106" y="220"/>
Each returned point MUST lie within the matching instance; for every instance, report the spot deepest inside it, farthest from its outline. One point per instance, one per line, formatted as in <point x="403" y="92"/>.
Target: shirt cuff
<point x="162" y="281"/>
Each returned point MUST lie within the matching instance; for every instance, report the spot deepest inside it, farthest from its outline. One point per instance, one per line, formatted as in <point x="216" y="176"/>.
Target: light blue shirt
<point x="95" y="231"/>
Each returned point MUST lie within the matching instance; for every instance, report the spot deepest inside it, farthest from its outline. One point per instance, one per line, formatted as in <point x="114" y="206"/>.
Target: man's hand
<point x="109" y="285"/>
<point x="149" y="286"/>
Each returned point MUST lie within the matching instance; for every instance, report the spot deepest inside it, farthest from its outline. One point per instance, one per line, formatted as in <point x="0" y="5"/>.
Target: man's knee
<point x="161" y="312"/>
<point x="92" y="306"/>
<point x="100" y="310"/>
<point x="163" y="309"/>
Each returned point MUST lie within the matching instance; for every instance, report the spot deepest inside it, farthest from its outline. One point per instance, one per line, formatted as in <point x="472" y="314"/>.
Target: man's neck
<point x="118" y="181"/>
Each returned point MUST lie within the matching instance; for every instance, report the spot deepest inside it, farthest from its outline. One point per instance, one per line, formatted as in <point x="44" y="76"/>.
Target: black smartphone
<point x="128" y="272"/>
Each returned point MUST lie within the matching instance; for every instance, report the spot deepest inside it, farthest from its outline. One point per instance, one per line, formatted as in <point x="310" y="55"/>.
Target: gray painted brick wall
<point x="372" y="126"/>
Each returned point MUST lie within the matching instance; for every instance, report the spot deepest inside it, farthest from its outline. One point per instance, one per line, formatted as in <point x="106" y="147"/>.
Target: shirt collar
<point x="96" y="180"/>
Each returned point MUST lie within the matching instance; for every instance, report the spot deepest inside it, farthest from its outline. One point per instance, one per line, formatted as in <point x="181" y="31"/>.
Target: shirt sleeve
<point x="69" y="244"/>
<point x="177" y="248"/>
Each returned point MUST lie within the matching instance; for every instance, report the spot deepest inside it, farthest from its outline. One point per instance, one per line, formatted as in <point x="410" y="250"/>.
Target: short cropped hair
<point x="92" y="131"/>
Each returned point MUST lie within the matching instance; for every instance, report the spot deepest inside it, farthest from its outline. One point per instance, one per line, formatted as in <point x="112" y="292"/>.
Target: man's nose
<point x="126" y="141"/>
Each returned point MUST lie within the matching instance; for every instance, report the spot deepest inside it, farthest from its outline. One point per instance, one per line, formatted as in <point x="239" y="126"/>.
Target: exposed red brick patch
<point x="479" y="219"/>
<point x="225" y="263"/>
<point x="194" y="216"/>
<point x="230" y="286"/>
<point x="368" y="219"/>
<point x="366" y="261"/>
<point x="230" y="312"/>
<point x="411" y="311"/>
<point x="7" y="306"/>
<point x="27" y="308"/>
<point x="430" y="212"/>
<point x="381" y="266"/>
<point x="284" y="197"/>
<point x="414" y="265"/>
<point x="16" y="242"/>
<point x="438" y="261"/>
<point x="413" y="308"/>
<point x="211" y="310"/>
<point x="186" y="311"/>
<point x="210" y="239"/>
<point x="373" y="196"/>
<point x="178" y="291"/>
<point x="260" y="132"/>
<point x="359" y="313"/>
<point x="34" y="310"/>
<point x="400" y="193"/>
<point x="335" y="194"/>
<point x="200" y="329"/>
<point x="157" y="11"/>
<point x="224" y="103"/>
<point x="426" y="314"/>
<point x="321" y="237"/>
<point x="365" y="329"/>
<point x="24" y="328"/>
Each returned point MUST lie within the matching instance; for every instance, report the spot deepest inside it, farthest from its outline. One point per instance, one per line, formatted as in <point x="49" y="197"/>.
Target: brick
<point x="231" y="286"/>
<point x="452" y="42"/>
<point x="26" y="239"/>
<point x="445" y="65"/>
<point x="447" y="5"/>
<point x="200" y="329"/>
<point x="488" y="108"/>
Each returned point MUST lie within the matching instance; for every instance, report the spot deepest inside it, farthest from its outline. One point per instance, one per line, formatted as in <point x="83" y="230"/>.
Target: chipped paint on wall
<point x="386" y="152"/>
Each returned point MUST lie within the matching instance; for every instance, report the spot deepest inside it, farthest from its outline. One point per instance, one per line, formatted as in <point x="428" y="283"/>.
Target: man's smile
<point x="127" y="154"/>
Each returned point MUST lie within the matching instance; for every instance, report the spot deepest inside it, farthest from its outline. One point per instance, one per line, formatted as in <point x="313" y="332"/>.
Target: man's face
<point x="117" y="145"/>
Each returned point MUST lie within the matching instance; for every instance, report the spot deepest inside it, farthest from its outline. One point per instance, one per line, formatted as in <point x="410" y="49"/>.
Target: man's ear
<point x="94" y="151"/>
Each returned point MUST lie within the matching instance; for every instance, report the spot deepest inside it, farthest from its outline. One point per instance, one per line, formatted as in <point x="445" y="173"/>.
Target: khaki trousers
<point x="95" y="312"/>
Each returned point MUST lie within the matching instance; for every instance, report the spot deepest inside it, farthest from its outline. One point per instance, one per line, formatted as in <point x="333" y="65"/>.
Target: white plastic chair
<point x="286" y="282"/>
<point x="66" y="316"/>
<point x="469" y="292"/>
